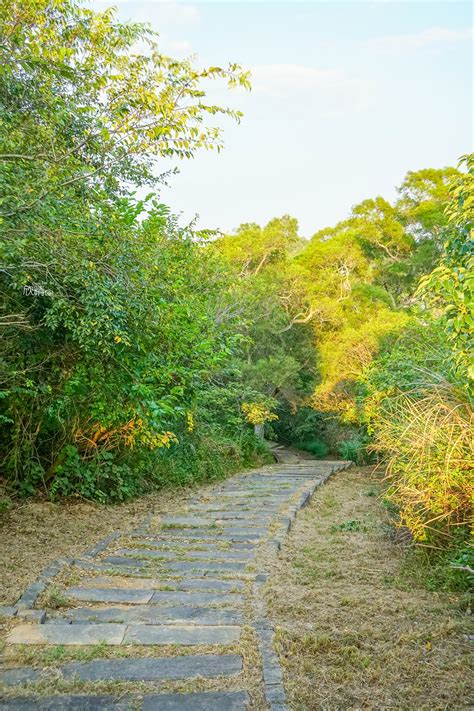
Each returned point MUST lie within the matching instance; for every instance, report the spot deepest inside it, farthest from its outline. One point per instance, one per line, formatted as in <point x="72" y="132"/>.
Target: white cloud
<point x="326" y="93"/>
<point x="433" y="37"/>
<point x="285" y="78"/>
<point x="161" y="12"/>
<point x="175" y="48"/>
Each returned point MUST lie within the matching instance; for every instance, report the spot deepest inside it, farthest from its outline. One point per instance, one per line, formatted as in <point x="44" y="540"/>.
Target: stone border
<point x="272" y="674"/>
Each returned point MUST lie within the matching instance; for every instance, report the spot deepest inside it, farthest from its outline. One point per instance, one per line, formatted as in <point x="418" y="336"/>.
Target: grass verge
<point x="356" y="625"/>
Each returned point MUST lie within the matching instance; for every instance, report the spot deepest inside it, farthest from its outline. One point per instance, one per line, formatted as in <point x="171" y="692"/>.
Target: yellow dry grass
<point x="354" y="630"/>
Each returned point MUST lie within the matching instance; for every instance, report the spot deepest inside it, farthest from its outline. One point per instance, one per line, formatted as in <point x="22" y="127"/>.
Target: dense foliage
<point x="110" y="326"/>
<point x="138" y="353"/>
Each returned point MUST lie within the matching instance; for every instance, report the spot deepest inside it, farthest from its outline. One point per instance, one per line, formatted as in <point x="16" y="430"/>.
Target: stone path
<point x="179" y="599"/>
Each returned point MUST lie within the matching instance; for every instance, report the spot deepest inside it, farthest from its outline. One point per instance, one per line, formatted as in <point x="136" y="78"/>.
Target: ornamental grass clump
<point x="427" y="444"/>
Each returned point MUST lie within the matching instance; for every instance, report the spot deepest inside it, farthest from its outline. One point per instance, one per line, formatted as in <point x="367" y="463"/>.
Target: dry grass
<point x="354" y="630"/>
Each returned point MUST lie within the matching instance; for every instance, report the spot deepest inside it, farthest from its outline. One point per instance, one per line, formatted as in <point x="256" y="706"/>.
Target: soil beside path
<point x="356" y="627"/>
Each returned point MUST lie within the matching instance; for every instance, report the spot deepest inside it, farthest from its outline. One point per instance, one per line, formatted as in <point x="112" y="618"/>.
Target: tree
<point x="109" y="308"/>
<point x="450" y="286"/>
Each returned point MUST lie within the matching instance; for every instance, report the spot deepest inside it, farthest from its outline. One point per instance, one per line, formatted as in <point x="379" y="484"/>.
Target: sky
<point x="346" y="98"/>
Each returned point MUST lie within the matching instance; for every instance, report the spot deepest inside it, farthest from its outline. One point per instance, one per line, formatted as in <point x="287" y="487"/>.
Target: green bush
<point x="354" y="450"/>
<point x="316" y="447"/>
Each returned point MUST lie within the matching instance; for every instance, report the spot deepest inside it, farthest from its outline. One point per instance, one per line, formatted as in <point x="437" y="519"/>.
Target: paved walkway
<point x="179" y="598"/>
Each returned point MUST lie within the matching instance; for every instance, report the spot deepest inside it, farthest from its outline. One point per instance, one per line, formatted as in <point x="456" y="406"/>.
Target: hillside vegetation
<point x="137" y="353"/>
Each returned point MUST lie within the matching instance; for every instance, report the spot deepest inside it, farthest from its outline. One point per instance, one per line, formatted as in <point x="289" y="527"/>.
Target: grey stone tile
<point x="124" y="595"/>
<point x="67" y="634"/>
<point x="204" y="701"/>
<point x="154" y="615"/>
<point x="123" y="561"/>
<point x="180" y="634"/>
<point x="205" y="566"/>
<point x="67" y="703"/>
<point x="172" y="555"/>
<point x="155" y="668"/>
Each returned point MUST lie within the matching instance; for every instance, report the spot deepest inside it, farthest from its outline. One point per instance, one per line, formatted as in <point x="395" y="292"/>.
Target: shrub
<point x="355" y="450"/>
<point x="427" y="445"/>
<point x="316" y="447"/>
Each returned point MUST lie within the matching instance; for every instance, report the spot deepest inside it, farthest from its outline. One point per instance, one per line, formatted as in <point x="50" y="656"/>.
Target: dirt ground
<point x="355" y="628"/>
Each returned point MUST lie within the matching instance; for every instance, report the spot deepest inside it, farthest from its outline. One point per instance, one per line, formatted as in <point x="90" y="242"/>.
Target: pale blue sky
<point x="347" y="98"/>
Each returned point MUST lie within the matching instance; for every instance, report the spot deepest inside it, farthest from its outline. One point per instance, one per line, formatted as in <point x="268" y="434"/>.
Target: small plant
<point x="354" y="449"/>
<point x="5" y="505"/>
<point x="55" y="654"/>
<point x="348" y="526"/>
<point x="370" y="492"/>
<point x="55" y="599"/>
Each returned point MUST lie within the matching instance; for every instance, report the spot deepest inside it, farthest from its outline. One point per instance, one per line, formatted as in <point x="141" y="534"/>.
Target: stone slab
<point x="180" y="634"/>
<point x="188" y="584"/>
<point x="67" y="703"/>
<point x="122" y="561"/>
<point x="192" y="521"/>
<point x="172" y="555"/>
<point x="123" y="595"/>
<point x="203" y="701"/>
<point x="205" y="566"/>
<point x="20" y="675"/>
<point x="153" y="615"/>
<point x="169" y="543"/>
<point x="67" y="634"/>
<point x="178" y="597"/>
<point x="155" y="669"/>
<point x="217" y="534"/>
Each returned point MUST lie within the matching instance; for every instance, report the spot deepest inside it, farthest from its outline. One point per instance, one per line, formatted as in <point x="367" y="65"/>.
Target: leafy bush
<point x="316" y="447"/>
<point x="112" y="330"/>
<point x="354" y="450"/>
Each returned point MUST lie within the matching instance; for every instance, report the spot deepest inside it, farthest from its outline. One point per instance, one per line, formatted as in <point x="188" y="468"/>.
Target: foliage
<point x="427" y="443"/>
<point x="314" y="446"/>
<point x="451" y="284"/>
<point x="110" y="327"/>
<point x="257" y="413"/>
<point x="355" y="450"/>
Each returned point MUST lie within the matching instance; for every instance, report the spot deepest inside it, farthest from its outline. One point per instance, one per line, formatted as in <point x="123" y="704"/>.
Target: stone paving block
<point x="206" y="566"/>
<point x="249" y="516"/>
<point x="31" y="594"/>
<point x="187" y="584"/>
<point x="122" y="561"/>
<point x="208" y="584"/>
<point x="203" y="701"/>
<point x="67" y="634"/>
<point x="109" y="595"/>
<point x="37" y="616"/>
<point x="170" y="597"/>
<point x="197" y="545"/>
<point x="275" y="693"/>
<point x="153" y="615"/>
<point x="215" y="554"/>
<point x="8" y="611"/>
<point x="192" y="521"/>
<point x="147" y="669"/>
<point x="217" y="534"/>
<point x="67" y="703"/>
<point x="180" y="634"/>
<point x="19" y="676"/>
<point x="272" y="675"/>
